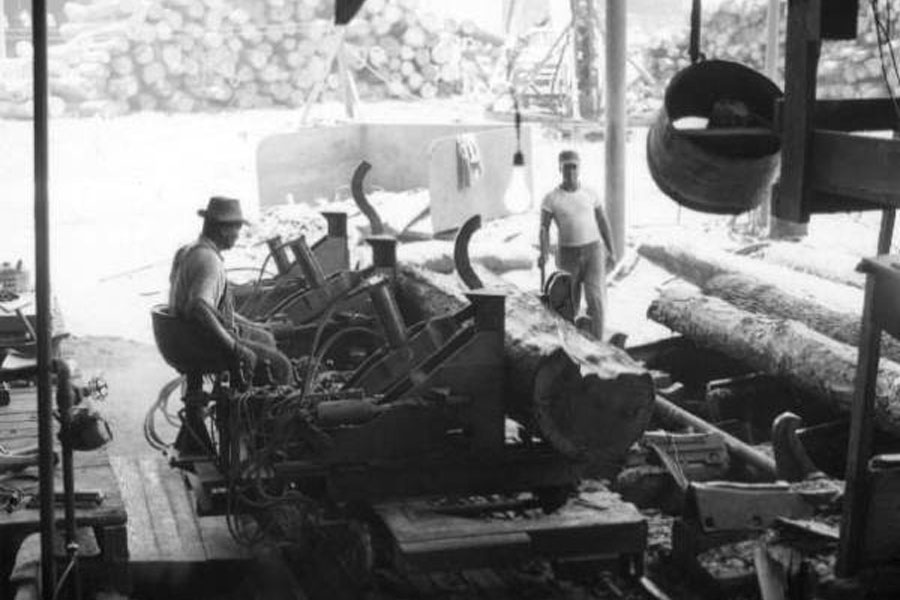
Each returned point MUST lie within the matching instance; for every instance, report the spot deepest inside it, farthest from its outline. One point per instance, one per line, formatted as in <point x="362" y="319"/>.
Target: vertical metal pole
<point x="615" y="119"/>
<point x="42" y="292"/>
<point x="64" y="403"/>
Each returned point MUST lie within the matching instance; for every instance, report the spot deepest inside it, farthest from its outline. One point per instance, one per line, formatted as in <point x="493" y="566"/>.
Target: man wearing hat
<point x="582" y="225"/>
<point x="199" y="292"/>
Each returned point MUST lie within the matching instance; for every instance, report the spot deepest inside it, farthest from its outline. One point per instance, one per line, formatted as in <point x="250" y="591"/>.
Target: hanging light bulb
<point x="517" y="198"/>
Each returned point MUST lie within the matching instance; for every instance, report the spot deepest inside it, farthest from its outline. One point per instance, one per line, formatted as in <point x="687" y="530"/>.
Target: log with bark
<point x="590" y="400"/>
<point x="437" y="255"/>
<point x="814" y="363"/>
<point x="825" y="306"/>
<point x="836" y="266"/>
<point x="698" y="264"/>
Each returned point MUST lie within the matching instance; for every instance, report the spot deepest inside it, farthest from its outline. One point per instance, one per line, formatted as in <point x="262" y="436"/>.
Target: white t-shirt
<point x="574" y="215"/>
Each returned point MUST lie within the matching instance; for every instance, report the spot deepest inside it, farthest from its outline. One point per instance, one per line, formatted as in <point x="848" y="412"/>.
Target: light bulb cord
<point x="518" y="124"/>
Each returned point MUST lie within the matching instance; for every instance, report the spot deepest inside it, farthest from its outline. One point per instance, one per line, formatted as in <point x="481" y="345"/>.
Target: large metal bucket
<point x="722" y="171"/>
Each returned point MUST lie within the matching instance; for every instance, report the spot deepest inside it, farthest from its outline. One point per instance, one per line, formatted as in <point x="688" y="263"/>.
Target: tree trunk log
<point x="825" y="306"/>
<point x="839" y="267"/>
<point x="590" y="400"/>
<point x="808" y="360"/>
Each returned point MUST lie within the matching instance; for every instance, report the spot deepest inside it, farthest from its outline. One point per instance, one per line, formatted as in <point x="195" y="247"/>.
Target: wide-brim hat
<point x="220" y="209"/>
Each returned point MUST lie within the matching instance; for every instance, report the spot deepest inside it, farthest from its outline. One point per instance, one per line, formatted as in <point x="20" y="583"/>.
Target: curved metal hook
<point x="359" y="197"/>
<point x="461" y="253"/>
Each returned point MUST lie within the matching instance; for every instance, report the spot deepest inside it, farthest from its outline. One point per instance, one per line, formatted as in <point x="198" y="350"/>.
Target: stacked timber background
<point x="111" y="57"/>
<point x="737" y="31"/>
<point x="117" y="56"/>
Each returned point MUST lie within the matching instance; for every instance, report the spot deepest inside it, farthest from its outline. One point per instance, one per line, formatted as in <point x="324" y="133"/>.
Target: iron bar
<point x="616" y="57"/>
<point x="42" y="297"/>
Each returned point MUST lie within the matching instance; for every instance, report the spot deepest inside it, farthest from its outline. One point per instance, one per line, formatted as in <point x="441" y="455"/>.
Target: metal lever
<point x="309" y="264"/>
<point x="388" y="314"/>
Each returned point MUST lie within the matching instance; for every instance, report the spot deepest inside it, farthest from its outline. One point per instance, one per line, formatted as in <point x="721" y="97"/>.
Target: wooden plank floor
<point x="162" y="523"/>
<point x="18" y="430"/>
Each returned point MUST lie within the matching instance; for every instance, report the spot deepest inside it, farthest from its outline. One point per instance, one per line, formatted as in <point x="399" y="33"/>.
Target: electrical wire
<point x="882" y="35"/>
<point x="150" y="433"/>
<point x="331" y="341"/>
<point x="62" y="578"/>
<point x="320" y="328"/>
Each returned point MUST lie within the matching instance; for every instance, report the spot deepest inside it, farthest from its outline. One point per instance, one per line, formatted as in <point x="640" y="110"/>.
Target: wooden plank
<point x="13" y="431"/>
<point x="182" y="508"/>
<point x="858" y="114"/>
<point x="856" y="166"/>
<point x="801" y="65"/>
<point x="597" y="523"/>
<point x="819" y="202"/>
<point x="141" y="542"/>
<point x="24" y="416"/>
<point x="418" y="522"/>
<point x="467" y="552"/>
<point x="163" y="523"/>
<point x="884" y="308"/>
<point x="92" y="471"/>
<point x="853" y="523"/>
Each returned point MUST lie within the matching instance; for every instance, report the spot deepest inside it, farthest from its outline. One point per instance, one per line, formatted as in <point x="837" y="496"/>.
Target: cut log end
<point x="587" y="418"/>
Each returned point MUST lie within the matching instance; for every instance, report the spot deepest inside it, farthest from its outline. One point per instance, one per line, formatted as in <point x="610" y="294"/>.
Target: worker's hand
<point x="611" y="261"/>
<point x="245" y="358"/>
<point x="542" y="260"/>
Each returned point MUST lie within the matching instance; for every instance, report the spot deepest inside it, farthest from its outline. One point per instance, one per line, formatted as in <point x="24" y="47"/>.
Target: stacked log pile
<point x="190" y="55"/>
<point x="778" y="320"/>
<point x="736" y="31"/>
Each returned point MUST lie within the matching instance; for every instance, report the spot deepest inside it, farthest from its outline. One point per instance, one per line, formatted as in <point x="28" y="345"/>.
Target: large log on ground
<point x="590" y="400"/>
<point x="830" y="308"/>
<point x="699" y="263"/>
<point x="437" y="255"/>
<point x="814" y="363"/>
<point x="833" y="265"/>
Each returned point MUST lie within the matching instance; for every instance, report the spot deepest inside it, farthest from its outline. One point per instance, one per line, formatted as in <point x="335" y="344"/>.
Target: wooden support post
<point x="3" y="25"/>
<point x="888" y="219"/>
<point x="348" y="83"/>
<point x="773" y="20"/>
<point x="574" y="98"/>
<point x="800" y="67"/>
<point x="584" y="45"/>
<point x="859" y="448"/>
<point x="886" y="233"/>
<point x="614" y="175"/>
<point x="341" y="32"/>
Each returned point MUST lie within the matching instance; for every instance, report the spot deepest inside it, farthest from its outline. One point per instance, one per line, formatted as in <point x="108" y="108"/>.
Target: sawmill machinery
<point x="320" y="280"/>
<point x="432" y="391"/>
<point x="423" y="416"/>
<point x="314" y="267"/>
<point x="331" y="253"/>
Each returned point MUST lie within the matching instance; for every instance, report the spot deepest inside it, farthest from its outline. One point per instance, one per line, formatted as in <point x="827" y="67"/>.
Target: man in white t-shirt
<point x="582" y="225"/>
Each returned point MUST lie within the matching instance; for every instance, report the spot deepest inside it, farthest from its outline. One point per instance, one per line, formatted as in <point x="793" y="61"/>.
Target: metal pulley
<point x="712" y="147"/>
